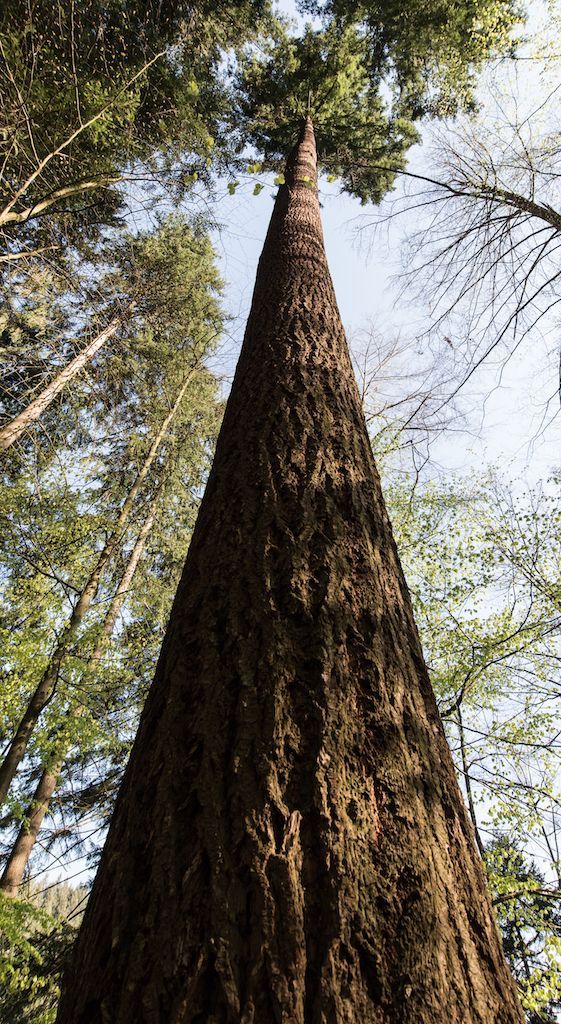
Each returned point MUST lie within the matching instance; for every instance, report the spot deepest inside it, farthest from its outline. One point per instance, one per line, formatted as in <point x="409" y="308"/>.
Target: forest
<point x="280" y="512"/>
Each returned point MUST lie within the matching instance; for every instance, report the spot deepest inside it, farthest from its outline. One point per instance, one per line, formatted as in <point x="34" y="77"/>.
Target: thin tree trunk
<point x="465" y="769"/>
<point x="12" y="431"/>
<point x="120" y="594"/>
<point x="27" y="836"/>
<point x="47" y="684"/>
<point x="290" y="843"/>
<point x="41" y="206"/>
<point x="23" y="254"/>
<point x="20" y="853"/>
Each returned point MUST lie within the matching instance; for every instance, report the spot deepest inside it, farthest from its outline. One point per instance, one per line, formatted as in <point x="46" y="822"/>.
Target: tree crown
<point x="365" y="78"/>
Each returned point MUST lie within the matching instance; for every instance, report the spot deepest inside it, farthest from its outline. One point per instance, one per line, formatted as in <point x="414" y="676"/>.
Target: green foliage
<point x="326" y="75"/>
<point x="529" y="915"/>
<point x="48" y="534"/>
<point x="484" y="569"/>
<point x="163" y="285"/>
<point x="24" y="987"/>
<point x="93" y="94"/>
<point x="59" y="508"/>
<point x="109" y="91"/>
<point x="429" y="50"/>
<point x="365" y="78"/>
<point x="35" y="310"/>
<point x="36" y="937"/>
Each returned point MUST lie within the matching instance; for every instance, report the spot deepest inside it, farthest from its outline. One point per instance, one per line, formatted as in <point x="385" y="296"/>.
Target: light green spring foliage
<point x="365" y="79"/>
<point x="22" y="980"/>
<point x="483" y="563"/>
<point x="484" y="570"/>
<point x="36" y="935"/>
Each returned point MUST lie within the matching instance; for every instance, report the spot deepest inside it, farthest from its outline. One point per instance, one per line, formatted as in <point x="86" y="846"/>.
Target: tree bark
<point x="22" y="849"/>
<point x="289" y="843"/>
<point x="48" y="682"/>
<point x="13" y="430"/>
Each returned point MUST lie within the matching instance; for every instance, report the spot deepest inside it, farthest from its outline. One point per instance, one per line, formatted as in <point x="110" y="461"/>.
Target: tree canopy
<point x="95" y="95"/>
<point x="366" y="77"/>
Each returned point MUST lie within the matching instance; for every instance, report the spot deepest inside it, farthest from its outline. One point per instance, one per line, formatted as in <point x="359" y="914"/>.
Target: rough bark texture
<point x="290" y="844"/>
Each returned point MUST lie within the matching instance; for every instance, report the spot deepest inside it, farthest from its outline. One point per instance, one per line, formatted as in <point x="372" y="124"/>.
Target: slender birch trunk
<point x="289" y="843"/>
<point x="12" y="431"/>
<point x="18" y="859"/>
<point x="47" y="684"/>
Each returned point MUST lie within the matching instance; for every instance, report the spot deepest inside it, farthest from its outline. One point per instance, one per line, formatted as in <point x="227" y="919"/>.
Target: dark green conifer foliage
<point x="366" y="78"/>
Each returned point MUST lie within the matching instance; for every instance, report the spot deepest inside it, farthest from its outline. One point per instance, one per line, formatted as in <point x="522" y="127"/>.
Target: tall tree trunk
<point x="289" y="843"/>
<point x="12" y="431"/>
<point x="22" y="849"/>
<point x="27" y="836"/>
<point x="122" y="590"/>
<point x="47" y="684"/>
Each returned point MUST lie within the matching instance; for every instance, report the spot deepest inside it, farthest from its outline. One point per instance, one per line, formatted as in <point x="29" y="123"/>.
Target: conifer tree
<point x="290" y="841"/>
<point x="173" y="276"/>
<point x="155" y="292"/>
<point x="87" y="725"/>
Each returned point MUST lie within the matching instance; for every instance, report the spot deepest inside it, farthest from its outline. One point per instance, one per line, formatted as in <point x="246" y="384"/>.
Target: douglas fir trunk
<point x="290" y="844"/>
